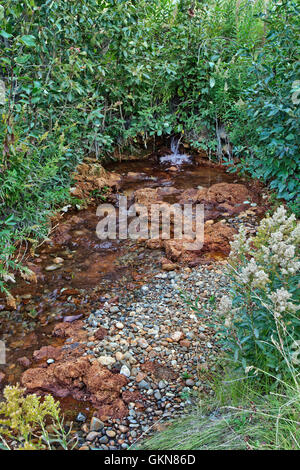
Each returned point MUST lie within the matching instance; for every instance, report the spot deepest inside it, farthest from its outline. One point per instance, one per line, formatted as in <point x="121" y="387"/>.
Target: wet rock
<point x="96" y="424"/>
<point x="59" y="378"/>
<point x="24" y="362"/>
<point x="81" y="418"/>
<point x="92" y="436"/>
<point x="217" y="194"/>
<point x="47" y="352"/>
<point x="175" y="248"/>
<point x="105" y="389"/>
<point x="91" y="177"/>
<point x="66" y="330"/>
<point x="147" y="196"/>
<point x="52" y="267"/>
<point x="82" y="380"/>
<point x="217" y="238"/>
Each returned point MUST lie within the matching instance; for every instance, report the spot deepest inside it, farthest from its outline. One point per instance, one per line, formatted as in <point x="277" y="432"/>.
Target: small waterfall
<point x="176" y="158"/>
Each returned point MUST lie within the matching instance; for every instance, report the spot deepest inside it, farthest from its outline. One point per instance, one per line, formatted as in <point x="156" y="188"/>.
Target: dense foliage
<point x="273" y="104"/>
<point x="97" y="75"/>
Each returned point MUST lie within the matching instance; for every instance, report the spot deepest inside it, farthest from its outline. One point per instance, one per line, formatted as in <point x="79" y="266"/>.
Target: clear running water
<point x="176" y="158"/>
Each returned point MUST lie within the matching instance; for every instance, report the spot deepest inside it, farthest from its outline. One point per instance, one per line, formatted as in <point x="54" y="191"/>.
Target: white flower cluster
<point x="280" y="299"/>
<point x="253" y="276"/>
<point x="278" y="219"/>
<point x="225" y="304"/>
<point x="281" y="254"/>
<point x="240" y="244"/>
<point x="258" y="260"/>
<point x="225" y="307"/>
<point x="278" y="237"/>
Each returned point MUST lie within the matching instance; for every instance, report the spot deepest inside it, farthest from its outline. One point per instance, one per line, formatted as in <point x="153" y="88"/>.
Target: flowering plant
<point x="260" y="316"/>
<point x="23" y="422"/>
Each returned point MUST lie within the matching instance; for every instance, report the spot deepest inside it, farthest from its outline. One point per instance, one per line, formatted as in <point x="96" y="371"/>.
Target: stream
<point x="78" y="275"/>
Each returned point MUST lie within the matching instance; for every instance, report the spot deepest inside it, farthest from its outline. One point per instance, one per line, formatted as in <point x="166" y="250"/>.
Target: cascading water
<point x="176" y="158"/>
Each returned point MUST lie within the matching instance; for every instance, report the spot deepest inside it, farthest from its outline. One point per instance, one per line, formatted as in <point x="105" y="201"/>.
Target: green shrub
<point x="272" y="103"/>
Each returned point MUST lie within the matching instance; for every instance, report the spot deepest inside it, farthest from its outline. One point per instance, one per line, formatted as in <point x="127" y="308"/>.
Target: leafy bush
<point x="272" y="103"/>
<point x="261" y="325"/>
<point x="31" y="421"/>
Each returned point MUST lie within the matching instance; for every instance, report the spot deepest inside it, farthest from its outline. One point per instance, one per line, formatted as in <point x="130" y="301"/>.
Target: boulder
<point x="217" y="238"/>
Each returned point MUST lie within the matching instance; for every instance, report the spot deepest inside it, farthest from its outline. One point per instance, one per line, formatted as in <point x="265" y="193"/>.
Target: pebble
<point x="125" y="371"/>
<point x="92" y="436"/>
<point x="52" y="267"/>
<point x="106" y="360"/>
<point x="96" y="424"/>
<point x="190" y="382"/>
<point x="162" y="384"/>
<point x="81" y="418"/>
<point x="114" y="309"/>
<point x="119" y="356"/>
<point x="143" y="343"/>
<point x="144" y="385"/>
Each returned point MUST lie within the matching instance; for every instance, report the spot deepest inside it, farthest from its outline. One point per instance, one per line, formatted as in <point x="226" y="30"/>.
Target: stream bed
<point x="99" y="299"/>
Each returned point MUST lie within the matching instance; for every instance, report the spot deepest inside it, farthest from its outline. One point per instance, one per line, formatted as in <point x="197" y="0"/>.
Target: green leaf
<point x="212" y="82"/>
<point x="5" y="35"/>
<point x="28" y="40"/>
